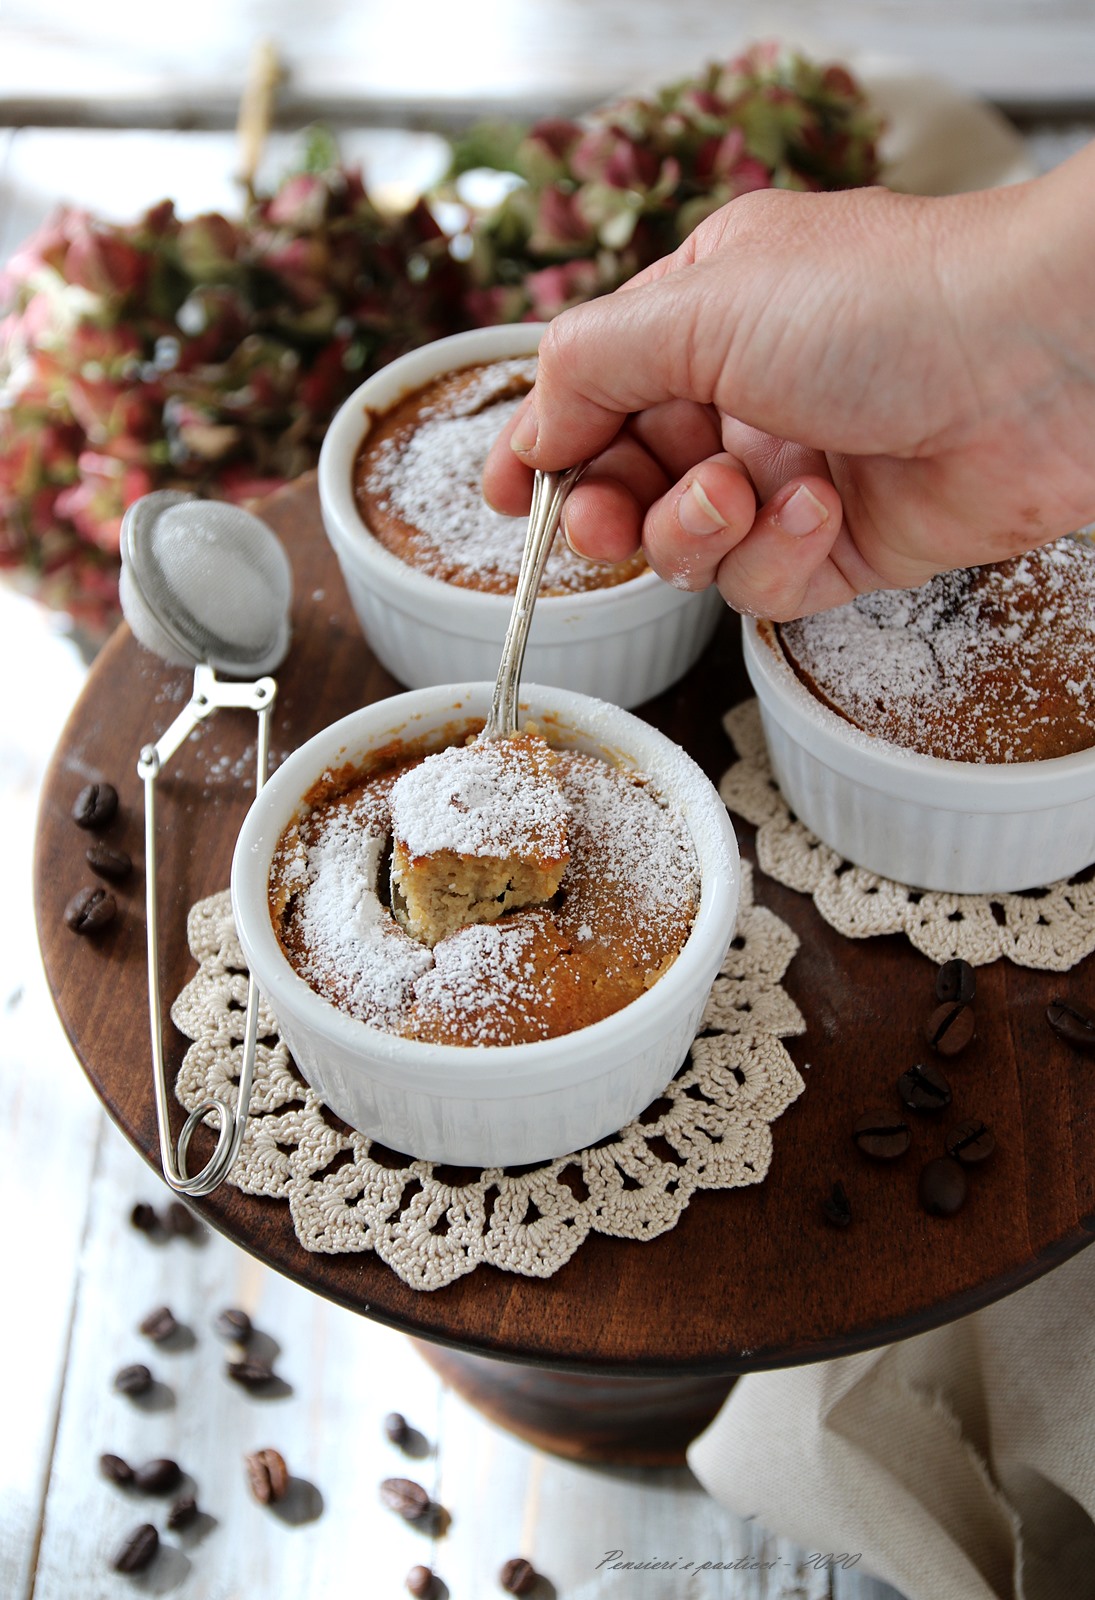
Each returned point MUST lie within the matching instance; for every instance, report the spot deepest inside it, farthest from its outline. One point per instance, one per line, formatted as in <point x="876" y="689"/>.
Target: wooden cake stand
<point x="627" y="1351"/>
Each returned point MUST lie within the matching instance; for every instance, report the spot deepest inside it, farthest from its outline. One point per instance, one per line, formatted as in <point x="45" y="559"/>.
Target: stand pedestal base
<point x="636" y="1422"/>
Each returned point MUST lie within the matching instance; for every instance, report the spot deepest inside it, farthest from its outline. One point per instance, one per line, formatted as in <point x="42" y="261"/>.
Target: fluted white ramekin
<point x="501" y="1104"/>
<point x="624" y="644"/>
<point x="959" y="826"/>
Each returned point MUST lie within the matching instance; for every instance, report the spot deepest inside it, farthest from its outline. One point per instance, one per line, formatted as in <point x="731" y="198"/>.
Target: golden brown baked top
<point x="622" y="913"/>
<point x="989" y="664"/>
<point x="417" y="487"/>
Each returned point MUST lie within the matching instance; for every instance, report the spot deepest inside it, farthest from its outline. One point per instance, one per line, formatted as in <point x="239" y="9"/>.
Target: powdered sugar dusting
<point x="489" y="798"/>
<point x="993" y="664"/>
<point x="425" y="470"/>
<point x="625" y="907"/>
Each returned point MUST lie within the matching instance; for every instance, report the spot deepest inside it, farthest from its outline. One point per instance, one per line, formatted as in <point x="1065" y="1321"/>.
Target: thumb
<point x="600" y="362"/>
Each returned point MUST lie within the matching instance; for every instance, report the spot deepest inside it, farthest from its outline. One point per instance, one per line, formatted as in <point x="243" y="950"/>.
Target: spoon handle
<point x="549" y="491"/>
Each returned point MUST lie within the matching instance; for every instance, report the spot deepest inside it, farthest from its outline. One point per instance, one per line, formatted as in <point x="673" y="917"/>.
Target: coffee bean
<point x="133" y="1380"/>
<point x="950" y="1028"/>
<point x="108" y="861"/>
<point x="836" y="1207"/>
<point x="518" y="1576"/>
<point x="250" y="1372"/>
<point x="95" y="806"/>
<point x="183" y="1512"/>
<point x="396" y="1428"/>
<point x="882" y="1135"/>
<point x="924" y="1089"/>
<point x="159" y="1324"/>
<point x="405" y="1497"/>
<point x="1073" y="1021"/>
<point x="138" y="1550"/>
<point x="157" y="1476"/>
<point x="970" y="1142"/>
<point x="234" y="1324"/>
<point x="91" y="910"/>
<point x="267" y="1475"/>
<point x="943" y="1187"/>
<point x="956" y="980"/>
<point x="144" y="1217"/>
<point x="420" y="1583"/>
<point x="115" y="1469"/>
<point x="181" y="1221"/>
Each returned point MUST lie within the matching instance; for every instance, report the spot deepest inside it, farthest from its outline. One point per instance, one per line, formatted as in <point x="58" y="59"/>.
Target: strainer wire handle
<point x="208" y="695"/>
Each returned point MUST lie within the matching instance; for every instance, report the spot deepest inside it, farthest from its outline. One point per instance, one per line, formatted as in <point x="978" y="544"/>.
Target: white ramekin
<point x="959" y="826"/>
<point x="491" y="1105"/>
<point x="623" y="644"/>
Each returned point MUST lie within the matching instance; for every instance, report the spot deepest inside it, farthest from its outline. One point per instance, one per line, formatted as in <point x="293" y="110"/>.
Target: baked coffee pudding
<point x="477" y="830"/>
<point x="416" y="483"/>
<point x="609" y="879"/>
<point x="994" y="664"/>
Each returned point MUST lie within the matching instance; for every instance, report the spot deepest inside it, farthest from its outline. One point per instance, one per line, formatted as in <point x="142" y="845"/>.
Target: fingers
<point x="507" y="481"/>
<point x="603" y="515"/>
<point x="688" y="532"/>
<point x="784" y="566"/>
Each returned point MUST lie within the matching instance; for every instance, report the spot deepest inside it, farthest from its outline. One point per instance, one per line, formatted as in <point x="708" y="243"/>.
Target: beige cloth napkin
<point x="959" y="1464"/>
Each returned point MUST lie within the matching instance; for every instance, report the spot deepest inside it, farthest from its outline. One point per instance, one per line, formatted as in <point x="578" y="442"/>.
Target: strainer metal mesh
<point x="210" y="577"/>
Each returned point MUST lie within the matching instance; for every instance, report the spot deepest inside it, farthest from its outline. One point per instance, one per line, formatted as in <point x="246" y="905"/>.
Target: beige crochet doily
<point x="709" y="1130"/>
<point x="1051" y="929"/>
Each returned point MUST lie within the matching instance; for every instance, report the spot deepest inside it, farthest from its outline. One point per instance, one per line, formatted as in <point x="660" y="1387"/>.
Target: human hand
<point x="822" y="394"/>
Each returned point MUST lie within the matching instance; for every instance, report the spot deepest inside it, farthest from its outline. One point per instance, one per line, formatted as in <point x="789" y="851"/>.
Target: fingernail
<point x="524" y="435"/>
<point x="696" y="514"/>
<point x="802" y="513"/>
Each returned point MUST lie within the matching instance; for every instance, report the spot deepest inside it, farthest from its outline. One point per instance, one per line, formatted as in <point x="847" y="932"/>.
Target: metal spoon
<point x="207" y="585"/>
<point x="549" y="492"/>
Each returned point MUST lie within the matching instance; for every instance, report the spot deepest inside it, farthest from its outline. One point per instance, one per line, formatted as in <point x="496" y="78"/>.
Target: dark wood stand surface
<point x="750" y="1278"/>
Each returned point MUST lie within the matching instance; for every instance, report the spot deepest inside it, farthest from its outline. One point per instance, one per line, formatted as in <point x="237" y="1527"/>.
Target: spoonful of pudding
<point x="480" y="829"/>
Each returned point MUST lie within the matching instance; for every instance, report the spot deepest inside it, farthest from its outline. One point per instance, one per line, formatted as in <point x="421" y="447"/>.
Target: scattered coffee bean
<point x="157" y="1476"/>
<point x="183" y="1512"/>
<point x="91" y="910"/>
<point x="95" y="806"/>
<point x="234" y="1324"/>
<point x="943" y="1187"/>
<point x="518" y="1576"/>
<point x="267" y="1475"/>
<point x="924" y="1089"/>
<point x="405" y="1497"/>
<point x="970" y="1142"/>
<point x="108" y="861"/>
<point x="144" y="1217"/>
<point x="181" y="1221"/>
<point x="250" y="1372"/>
<point x="1073" y="1021"/>
<point x="836" y="1207"/>
<point x="133" y="1380"/>
<point x="115" y="1469"/>
<point x="956" y="980"/>
<point x="950" y="1028"/>
<point x="138" y="1550"/>
<point x="882" y="1135"/>
<point x="396" y="1428"/>
<point x="420" y="1583"/>
<point x="159" y="1324"/>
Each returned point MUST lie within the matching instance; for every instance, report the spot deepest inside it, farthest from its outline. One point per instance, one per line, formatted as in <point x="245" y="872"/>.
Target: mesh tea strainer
<point x="206" y="585"/>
